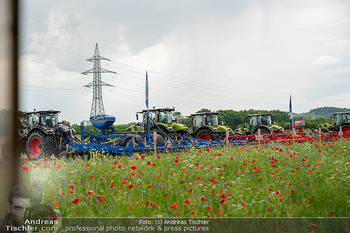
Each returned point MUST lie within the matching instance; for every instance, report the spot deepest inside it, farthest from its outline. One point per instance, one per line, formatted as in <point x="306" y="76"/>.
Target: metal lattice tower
<point x="97" y="107"/>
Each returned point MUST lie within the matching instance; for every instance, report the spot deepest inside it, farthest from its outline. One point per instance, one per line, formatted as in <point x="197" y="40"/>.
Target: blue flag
<point x="146" y="89"/>
<point x="290" y="112"/>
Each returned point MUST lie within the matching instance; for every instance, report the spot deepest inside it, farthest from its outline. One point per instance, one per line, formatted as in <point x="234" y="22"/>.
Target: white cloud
<point x="324" y="61"/>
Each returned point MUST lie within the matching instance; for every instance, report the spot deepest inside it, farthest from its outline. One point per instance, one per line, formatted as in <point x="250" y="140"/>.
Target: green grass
<point x="245" y="181"/>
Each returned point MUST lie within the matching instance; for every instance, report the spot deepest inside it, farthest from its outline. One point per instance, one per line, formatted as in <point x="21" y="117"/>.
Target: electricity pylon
<point x="97" y="107"/>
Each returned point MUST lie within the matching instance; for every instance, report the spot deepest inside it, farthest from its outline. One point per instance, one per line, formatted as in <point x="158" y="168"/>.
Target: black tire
<point x="164" y="132"/>
<point x="160" y="139"/>
<point x="206" y="134"/>
<point x="63" y="155"/>
<point x="40" y="145"/>
<point x="128" y="139"/>
<point x="262" y="130"/>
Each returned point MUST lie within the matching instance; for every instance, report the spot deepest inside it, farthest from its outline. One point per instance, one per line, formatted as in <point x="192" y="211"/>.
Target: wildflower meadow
<point x="310" y="179"/>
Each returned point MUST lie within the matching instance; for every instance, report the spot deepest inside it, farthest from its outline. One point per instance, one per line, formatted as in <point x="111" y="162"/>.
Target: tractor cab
<point x="340" y="118"/>
<point x="160" y="115"/>
<point x="204" y="118"/>
<point x="255" y="120"/>
<point x="163" y="121"/>
<point x="42" y="118"/>
<point x="206" y="126"/>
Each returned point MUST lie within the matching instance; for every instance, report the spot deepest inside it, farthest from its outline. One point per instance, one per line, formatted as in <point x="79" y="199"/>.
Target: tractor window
<point x="266" y="120"/>
<point x="253" y="121"/>
<point x="338" y="119"/>
<point x="50" y="120"/>
<point x="153" y="116"/>
<point x="212" y="120"/>
<point x="165" y="117"/>
<point x="33" y="120"/>
<point x="198" y="121"/>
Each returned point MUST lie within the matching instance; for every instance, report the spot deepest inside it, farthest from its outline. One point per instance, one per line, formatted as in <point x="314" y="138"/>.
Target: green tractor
<point x="41" y="134"/>
<point x="206" y="126"/>
<point x="163" y="122"/>
<point x="256" y="122"/>
<point x="340" y="119"/>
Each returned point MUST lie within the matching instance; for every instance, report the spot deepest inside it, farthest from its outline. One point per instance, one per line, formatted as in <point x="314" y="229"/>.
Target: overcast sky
<point x="198" y="53"/>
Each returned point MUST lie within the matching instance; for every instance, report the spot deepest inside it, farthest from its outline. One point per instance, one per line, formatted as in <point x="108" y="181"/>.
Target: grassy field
<point x="272" y="180"/>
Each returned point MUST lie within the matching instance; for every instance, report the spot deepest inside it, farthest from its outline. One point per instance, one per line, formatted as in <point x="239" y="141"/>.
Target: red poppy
<point x="61" y="193"/>
<point x="87" y="165"/>
<point x="101" y="199"/>
<point x="309" y="198"/>
<point x="207" y="150"/>
<point x="243" y="204"/>
<point x="55" y="204"/>
<point x="130" y="186"/>
<point x="148" y="163"/>
<point x="71" y="186"/>
<point x="174" y="205"/>
<point x="90" y="193"/>
<point x="192" y="213"/>
<point x="31" y="157"/>
<point x="313" y="225"/>
<point x="166" y="194"/>
<point x="154" y="165"/>
<point x="187" y="202"/>
<point x="91" y="177"/>
<point x="198" y="178"/>
<point x="244" y="164"/>
<point x="75" y="201"/>
<point x="115" y="162"/>
<point x="277" y="193"/>
<point x="25" y="168"/>
<point x="202" y="199"/>
<point x="196" y="164"/>
<point x="330" y="213"/>
<point x="111" y="186"/>
<point x="102" y="179"/>
<point x="133" y="168"/>
<point x="281" y="198"/>
<point x="149" y="186"/>
<point x="292" y="191"/>
<point x="223" y="202"/>
<point x="130" y="207"/>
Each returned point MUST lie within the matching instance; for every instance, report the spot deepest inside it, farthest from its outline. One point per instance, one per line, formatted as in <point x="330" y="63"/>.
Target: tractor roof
<point x="341" y="113"/>
<point x="205" y="113"/>
<point x="260" y="114"/>
<point x="159" y="109"/>
<point x="43" y="112"/>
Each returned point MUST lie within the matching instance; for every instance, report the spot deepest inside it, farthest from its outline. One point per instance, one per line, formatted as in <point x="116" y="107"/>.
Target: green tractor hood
<point x="223" y="128"/>
<point x="178" y="126"/>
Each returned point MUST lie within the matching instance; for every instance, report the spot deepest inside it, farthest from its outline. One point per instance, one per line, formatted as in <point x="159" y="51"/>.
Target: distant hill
<point x="323" y="112"/>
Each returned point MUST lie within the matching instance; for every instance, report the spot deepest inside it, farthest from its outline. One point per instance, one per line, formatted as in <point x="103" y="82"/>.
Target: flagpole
<point x="147" y="98"/>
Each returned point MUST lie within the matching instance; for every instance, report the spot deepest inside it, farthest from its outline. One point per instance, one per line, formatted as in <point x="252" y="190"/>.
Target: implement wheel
<point x="39" y="145"/>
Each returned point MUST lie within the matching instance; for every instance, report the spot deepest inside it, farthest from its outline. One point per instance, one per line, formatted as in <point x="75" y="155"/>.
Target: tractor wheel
<point x="262" y="130"/>
<point x="164" y="134"/>
<point x="160" y="139"/>
<point x="205" y="134"/>
<point x="346" y="131"/>
<point x="40" y="144"/>
<point x="128" y="139"/>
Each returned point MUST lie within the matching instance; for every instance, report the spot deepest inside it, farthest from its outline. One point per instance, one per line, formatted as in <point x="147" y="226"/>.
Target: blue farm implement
<point x="111" y="142"/>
